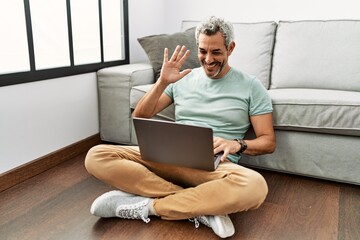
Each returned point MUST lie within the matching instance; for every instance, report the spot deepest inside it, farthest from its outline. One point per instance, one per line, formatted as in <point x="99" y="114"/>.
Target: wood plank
<point x="269" y="216"/>
<point x="313" y="206"/>
<point x="37" y="166"/>
<point x="349" y="223"/>
<point x="41" y="188"/>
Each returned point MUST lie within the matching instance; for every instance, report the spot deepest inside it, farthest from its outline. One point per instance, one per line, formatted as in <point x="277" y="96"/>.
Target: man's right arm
<point x="153" y="101"/>
<point x="156" y="100"/>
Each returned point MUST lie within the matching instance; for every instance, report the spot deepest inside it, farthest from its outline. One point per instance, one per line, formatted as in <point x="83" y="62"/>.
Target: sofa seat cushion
<point x="311" y="110"/>
<point x="136" y="94"/>
<point x="316" y="110"/>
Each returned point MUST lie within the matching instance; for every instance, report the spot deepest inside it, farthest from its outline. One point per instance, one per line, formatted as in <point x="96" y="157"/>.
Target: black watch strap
<point x="242" y="144"/>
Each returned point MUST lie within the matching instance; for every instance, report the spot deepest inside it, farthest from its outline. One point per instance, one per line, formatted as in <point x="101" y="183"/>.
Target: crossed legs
<point x="178" y="193"/>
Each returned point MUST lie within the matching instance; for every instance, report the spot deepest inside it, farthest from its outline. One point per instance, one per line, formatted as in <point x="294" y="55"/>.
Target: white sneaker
<point x="221" y="225"/>
<point x="121" y="204"/>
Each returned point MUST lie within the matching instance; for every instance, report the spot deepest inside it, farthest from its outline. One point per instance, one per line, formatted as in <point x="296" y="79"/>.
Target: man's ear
<point x="231" y="48"/>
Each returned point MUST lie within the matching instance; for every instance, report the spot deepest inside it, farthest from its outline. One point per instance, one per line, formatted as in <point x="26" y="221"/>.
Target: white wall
<point x="143" y="21"/>
<point x="174" y="11"/>
<point x="261" y="10"/>
<point x="39" y="118"/>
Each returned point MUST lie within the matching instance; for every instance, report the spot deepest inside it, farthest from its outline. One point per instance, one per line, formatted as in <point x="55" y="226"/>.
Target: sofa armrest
<point x="114" y="85"/>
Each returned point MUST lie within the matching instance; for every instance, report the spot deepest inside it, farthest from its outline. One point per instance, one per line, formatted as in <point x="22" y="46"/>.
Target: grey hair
<point x="212" y="25"/>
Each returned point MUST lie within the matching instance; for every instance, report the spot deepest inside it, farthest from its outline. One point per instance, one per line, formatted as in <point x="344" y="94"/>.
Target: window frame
<point x="46" y="74"/>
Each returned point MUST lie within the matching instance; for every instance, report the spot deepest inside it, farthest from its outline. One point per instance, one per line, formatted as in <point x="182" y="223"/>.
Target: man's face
<point x="213" y="55"/>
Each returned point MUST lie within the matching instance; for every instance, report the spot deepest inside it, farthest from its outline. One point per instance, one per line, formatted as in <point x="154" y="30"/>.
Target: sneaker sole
<point x="222" y="226"/>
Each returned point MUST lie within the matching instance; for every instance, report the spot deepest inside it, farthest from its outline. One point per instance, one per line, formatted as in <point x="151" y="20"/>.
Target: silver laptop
<point x="176" y="144"/>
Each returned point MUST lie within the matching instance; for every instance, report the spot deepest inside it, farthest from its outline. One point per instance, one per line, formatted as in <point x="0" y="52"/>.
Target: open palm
<point x="170" y="71"/>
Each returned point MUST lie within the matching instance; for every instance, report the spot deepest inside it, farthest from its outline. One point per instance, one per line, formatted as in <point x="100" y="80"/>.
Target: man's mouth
<point x="213" y="69"/>
<point x="211" y="66"/>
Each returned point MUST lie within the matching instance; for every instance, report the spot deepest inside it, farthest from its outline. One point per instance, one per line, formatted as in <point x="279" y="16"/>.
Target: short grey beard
<point x="218" y="72"/>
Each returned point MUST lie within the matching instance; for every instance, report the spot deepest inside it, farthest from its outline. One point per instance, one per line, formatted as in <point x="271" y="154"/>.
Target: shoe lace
<point x="198" y="220"/>
<point x="134" y="213"/>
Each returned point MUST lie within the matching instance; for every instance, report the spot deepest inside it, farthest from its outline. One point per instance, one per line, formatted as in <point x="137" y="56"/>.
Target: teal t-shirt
<point x="223" y="104"/>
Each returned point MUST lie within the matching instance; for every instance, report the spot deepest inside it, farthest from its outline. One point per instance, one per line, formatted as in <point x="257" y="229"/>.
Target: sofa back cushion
<point x="154" y="48"/>
<point x="317" y="54"/>
<point x="254" y="48"/>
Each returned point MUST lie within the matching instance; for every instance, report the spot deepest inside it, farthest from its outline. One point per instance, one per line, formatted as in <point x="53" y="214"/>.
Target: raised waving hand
<point x="170" y="71"/>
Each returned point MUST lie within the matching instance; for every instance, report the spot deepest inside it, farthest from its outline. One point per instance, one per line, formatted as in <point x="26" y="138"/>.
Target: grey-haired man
<point x="214" y="95"/>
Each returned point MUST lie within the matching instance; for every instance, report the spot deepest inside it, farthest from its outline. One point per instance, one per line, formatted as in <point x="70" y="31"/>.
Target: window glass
<point x="86" y="31"/>
<point x="47" y="39"/>
<point x="113" y="29"/>
<point x="50" y="33"/>
<point x="14" y="53"/>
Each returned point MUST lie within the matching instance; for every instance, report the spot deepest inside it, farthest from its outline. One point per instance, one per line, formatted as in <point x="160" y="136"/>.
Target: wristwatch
<point x="242" y="144"/>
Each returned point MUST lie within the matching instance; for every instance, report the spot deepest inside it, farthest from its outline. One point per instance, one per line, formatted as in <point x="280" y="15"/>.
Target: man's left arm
<point x="263" y="143"/>
<point x="265" y="137"/>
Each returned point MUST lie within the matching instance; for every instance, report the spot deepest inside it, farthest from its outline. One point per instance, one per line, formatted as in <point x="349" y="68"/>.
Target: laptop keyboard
<point x="217" y="158"/>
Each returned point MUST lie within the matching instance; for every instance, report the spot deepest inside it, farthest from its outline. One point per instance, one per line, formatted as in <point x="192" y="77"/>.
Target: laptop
<point x="175" y="143"/>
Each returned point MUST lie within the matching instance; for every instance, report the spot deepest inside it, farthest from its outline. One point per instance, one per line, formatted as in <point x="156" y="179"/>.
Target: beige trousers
<point x="178" y="193"/>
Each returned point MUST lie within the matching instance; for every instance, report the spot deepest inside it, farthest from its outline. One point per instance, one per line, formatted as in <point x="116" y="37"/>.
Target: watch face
<point x="243" y="145"/>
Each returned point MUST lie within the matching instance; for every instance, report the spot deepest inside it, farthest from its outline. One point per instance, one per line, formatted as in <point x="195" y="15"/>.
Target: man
<point x="214" y="95"/>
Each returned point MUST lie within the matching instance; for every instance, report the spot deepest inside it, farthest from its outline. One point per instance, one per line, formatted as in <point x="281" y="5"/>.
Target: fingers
<point x="170" y="69"/>
<point x="180" y="54"/>
<point x="218" y="145"/>
<point x="224" y="156"/>
<point x="185" y="72"/>
<point x="184" y="57"/>
<point x="222" y="145"/>
<point x="166" y="54"/>
<point x="175" y="54"/>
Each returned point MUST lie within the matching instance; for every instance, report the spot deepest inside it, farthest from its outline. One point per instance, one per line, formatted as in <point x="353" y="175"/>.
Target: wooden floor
<point x="55" y="205"/>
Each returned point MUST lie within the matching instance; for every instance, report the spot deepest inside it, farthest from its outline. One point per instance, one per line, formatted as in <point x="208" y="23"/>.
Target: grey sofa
<point x="312" y="72"/>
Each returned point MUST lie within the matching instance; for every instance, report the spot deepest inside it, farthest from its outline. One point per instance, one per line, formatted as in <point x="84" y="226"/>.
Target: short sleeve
<point x="169" y="91"/>
<point x="260" y="101"/>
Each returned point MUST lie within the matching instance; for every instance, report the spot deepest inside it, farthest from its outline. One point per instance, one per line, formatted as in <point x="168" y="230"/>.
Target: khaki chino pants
<point x="179" y="193"/>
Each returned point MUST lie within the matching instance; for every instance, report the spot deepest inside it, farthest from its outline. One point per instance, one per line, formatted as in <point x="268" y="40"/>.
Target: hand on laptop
<point x="226" y="146"/>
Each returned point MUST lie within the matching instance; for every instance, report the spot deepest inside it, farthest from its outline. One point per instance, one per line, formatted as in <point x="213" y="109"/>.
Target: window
<point x="14" y="50"/>
<point x="44" y="39"/>
<point x="86" y="31"/>
<point x="50" y="33"/>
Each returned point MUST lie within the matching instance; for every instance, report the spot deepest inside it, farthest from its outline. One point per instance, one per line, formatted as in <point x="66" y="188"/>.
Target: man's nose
<point x="209" y="58"/>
